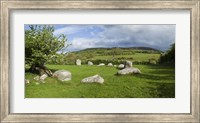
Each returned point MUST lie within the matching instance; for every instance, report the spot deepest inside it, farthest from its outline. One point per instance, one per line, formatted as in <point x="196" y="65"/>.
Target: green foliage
<point x="156" y="81"/>
<point x="169" y="56"/>
<point x="137" y="57"/>
<point x="118" y="51"/>
<point x="57" y="59"/>
<point x="41" y="44"/>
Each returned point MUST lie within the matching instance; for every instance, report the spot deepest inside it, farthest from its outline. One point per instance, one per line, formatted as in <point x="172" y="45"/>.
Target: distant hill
<point x="116" y="55"/>
<point x="131" y="48"/>
<point x="118" y="50"/>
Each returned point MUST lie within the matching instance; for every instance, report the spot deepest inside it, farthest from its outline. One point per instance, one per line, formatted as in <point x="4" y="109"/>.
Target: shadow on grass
<point x="165" y="72"/>
<point x="162" y="90"/>
<point x="161" y="67"/>
<point x="156" y="77"/>
<point x="159" y="72"/>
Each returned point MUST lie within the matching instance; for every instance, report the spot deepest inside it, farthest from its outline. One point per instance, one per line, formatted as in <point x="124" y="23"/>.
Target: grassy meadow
<point x="156" y="81"/>
<point x="49" y="48"/>
<point x="137" y="57"/>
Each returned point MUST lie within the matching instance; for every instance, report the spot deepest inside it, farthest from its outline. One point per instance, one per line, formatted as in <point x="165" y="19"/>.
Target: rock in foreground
<point x="129" y="71"/>
<point x="93" y="79"/>
<point x="90" y="63"/>
<point x="78" y="62"/>
<point x="37" y="78"/>
<point x="63" y="75"/>
<point x="128" y="64"/>
<point x="101" y="64"/>
<point x="121" y="66"/>
<point x="110" y="64"/>
<point x="27" y="81"/>
<point x="43" y="77"/>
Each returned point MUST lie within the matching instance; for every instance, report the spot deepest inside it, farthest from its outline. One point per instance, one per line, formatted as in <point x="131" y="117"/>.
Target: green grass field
<point x="136" y="57"/>
<point x="156" y="81"/>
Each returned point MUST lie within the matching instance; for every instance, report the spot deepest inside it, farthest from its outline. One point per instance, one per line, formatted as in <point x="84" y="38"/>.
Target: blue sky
<point x="91" y="36"/>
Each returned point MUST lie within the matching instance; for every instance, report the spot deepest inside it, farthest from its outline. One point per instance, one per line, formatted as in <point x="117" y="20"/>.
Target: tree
<point x="169" y="56"/>
<point x="115" y="51"/>
<point x="40" y="45"/>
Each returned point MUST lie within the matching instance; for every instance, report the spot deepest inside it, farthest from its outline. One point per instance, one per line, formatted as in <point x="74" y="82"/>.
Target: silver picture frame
<point x="8" y="5"/>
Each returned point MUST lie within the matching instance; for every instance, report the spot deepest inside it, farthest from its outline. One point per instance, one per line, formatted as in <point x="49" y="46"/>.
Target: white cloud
<point x="83" y="43"/>
<point x="155" y="36"/>
<point x="67" y="30"/>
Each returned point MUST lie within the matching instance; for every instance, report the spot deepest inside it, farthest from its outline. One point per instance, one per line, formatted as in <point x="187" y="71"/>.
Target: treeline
<point x="169" y="56"/>
<point x="116" y="51"/>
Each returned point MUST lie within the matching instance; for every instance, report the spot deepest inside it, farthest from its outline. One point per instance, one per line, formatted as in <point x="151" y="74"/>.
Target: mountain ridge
<point x="123" y="48"/>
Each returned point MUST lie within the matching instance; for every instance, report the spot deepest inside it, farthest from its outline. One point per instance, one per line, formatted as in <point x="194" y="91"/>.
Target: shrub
<point x="169" y="56"/>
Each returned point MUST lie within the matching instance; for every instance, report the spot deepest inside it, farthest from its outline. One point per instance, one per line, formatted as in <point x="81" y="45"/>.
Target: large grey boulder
<point x="78" y="62"/>
<point x="129" y="71"/>
<point x="90" y="63"/>
<point x="121" y="66"/>
<point x="101" y="64"/>
<point x="93" y="79"/>
<point x="128" y="64"/>
<point x="63" y="75"/>
<point x="110" y="64"/>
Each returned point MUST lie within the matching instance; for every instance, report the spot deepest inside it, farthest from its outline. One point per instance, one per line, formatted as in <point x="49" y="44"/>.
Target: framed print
<point x="100" y="61"/>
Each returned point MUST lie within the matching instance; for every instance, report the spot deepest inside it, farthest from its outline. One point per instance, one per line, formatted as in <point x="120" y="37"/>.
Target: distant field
<point x="156" y="81"/>
<point x="136" y="57"/>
